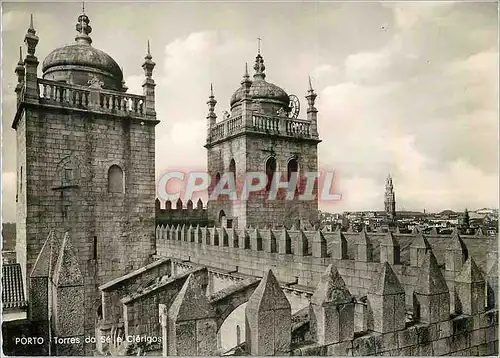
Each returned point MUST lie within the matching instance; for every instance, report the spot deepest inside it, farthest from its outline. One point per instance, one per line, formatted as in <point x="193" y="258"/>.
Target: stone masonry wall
<point x="121" y="224"/>
<point x="291" y="267"/>
<point x="250" y="153"/>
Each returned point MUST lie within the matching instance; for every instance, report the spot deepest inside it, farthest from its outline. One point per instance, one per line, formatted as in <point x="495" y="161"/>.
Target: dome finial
<point x="83" y="29"/>
<point x="259" y="67"/>
<point x="83" y="7"/>
<point x="310" y="85"/>
<point x="258" y="45"/>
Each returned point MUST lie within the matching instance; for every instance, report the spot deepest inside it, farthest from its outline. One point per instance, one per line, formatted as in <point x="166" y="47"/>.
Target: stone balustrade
<point x="88" y="98"/>
<point x="264" y="124"/>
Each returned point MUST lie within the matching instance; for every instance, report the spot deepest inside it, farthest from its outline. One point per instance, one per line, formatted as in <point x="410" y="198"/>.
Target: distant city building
<point x="390" y="200"/>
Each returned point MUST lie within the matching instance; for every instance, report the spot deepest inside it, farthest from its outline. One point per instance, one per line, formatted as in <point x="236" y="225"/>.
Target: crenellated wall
<point x="302" y="256"/>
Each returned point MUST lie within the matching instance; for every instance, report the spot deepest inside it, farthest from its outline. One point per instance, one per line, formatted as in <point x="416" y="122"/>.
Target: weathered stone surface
<point x="387" y="301"/>
<point x="192" y="321"/>
<point x="319" y="245"/>
<point x="389" y="249"/>
<point x="470" y="289"/>
<point x="268" y="319"/>
<point x="364" y="249"/>
<point x="418" y="250"/>
<point x="331" y="310"/>
<point x="456" y="253"/>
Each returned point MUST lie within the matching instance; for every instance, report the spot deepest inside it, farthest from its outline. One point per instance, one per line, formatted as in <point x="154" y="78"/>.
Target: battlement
<point x="181" y="214"/>
<point x="301" y="256"/>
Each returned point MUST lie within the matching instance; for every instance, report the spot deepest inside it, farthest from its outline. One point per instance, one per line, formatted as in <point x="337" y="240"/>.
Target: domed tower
<point x="262" y="134"/>
<point x="85" y="164"/>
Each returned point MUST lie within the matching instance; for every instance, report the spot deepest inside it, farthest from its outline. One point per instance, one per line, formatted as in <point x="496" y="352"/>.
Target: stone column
<point x="149" y="85"/>
<point x="268" y="319"/>
<point x="387" y="301"/>
<point x="31" y="64"/>
<point x="331" y="310"/>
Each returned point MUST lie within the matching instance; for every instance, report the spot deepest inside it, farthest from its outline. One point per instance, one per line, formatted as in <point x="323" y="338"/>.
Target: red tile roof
<point x="12" y="287"/>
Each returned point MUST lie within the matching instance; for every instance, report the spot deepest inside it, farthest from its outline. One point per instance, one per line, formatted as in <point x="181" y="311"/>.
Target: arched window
<point x="232" y="169"/>
<point x="115" y="179"/>
<point x="270" y="170"/>
<point x="293" y="167"/>
<point x="222" y="216"/>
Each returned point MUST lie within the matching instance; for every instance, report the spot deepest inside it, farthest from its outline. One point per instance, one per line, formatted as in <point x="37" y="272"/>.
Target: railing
<point x="62" y="94"/>
<point x="263" y="123"/>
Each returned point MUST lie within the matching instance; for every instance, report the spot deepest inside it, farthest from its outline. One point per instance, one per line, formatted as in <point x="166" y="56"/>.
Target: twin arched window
<point x="115" y="180"/>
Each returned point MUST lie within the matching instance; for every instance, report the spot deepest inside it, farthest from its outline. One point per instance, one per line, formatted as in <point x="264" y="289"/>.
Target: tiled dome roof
<point x="260" y="88"/>
<point x="83" y="55"/>
<point x="77" y="62"/>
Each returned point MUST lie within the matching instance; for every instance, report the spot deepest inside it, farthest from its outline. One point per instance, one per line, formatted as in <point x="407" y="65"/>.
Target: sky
<point x="409" y="89"/>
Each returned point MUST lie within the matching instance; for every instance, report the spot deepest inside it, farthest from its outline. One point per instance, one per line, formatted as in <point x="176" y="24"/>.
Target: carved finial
<point x="311" y="96"/>
<point x="245" y="82"/>
<point x="148" y="55"/>
<point x="258" y="45"/>
<point x="83" y="28"/>
<point x="20" y="70"/>
<point x="211" y="102"/>
<point x="259" y="67"/>
<point x="31" y="28"/>
<point x="83" y="7"/>
<point x="20" y="56"/>
<point x="148" y="65"/>
<point x="31" y="39"/>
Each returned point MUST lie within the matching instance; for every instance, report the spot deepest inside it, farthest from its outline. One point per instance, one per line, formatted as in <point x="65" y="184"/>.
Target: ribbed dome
<point x="83" y="55"/>
<point x="79" y="62"/>
<point x="260" y="88"/>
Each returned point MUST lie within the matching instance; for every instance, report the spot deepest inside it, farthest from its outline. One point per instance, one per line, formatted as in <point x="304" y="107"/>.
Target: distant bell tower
<point x="390" y="200"/>
<point x="85" y="162"/>
<point x="262" y="133"/>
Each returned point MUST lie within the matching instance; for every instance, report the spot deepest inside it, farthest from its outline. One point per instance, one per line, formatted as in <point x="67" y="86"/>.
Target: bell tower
<point x="85" y="163"/>
<point x="263" y="134"/>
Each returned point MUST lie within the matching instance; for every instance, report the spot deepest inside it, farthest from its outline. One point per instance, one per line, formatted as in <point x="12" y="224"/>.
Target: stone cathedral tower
<point x="390" y="200"/>
<point x="85" y="162"/>
<point x="262" y="134"/>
